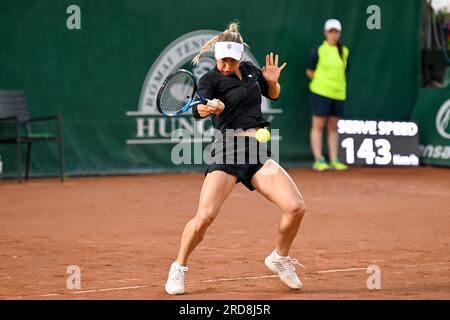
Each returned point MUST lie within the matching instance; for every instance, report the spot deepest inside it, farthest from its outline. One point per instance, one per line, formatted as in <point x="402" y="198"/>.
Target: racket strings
<point x="176" y="93"/>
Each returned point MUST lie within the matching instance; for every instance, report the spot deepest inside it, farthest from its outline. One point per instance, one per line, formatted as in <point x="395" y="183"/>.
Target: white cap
<point x="332" y="24"/>
<point x="225" y="49"/>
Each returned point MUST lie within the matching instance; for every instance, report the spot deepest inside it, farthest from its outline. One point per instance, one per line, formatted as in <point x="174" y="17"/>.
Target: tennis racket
<point x="178" y="94"/>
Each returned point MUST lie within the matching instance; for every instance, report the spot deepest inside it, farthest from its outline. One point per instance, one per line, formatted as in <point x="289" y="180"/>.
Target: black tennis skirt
<point x="241" y="156"/>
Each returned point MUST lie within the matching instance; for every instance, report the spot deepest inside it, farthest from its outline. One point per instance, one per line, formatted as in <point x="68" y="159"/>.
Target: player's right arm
<point x="206" y="89"/>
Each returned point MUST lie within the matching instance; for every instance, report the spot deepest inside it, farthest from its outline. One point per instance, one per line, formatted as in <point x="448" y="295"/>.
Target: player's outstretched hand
<point x="271" y="72"/>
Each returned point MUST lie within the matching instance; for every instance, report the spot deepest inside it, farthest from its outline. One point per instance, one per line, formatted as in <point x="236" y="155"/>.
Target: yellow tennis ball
<point x="262" y="135"/>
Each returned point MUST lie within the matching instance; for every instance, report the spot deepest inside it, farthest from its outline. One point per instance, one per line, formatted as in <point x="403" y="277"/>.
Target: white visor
<point x="228" y="50"/>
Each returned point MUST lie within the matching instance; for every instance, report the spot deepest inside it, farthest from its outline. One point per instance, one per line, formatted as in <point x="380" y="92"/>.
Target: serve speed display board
<point x="378" y="143"/>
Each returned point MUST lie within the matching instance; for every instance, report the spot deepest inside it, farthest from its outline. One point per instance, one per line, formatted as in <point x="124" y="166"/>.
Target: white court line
<point x="81" y="292"/>
<point x="233" y="279"/>
<point x="424" y="264"/>
<point x="341" y="270"/>
<point x="109" y="289"/>
<point x="211" y="281"/>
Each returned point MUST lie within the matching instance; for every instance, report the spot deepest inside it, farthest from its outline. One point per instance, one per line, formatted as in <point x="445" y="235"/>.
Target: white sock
<point x="177" y="263"/>
<point x="277" y="255"/>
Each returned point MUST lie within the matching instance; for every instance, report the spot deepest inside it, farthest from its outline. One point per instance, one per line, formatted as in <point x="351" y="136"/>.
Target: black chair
<point x="13" y="110"/>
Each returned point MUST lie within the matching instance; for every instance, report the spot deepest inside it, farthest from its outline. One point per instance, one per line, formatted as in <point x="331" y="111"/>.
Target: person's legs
<point x="216" y="188"/>
<point x="316" y="135"/>
<point x="332" y="136"/>
<point x="337" y="111"/>
<point x="279" y="188"/>
<point x="321" y="108"/>
<point x="333" y="139"/>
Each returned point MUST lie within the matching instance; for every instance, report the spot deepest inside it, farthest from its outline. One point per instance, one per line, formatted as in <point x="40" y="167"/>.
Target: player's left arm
<point x="271" y="73"/>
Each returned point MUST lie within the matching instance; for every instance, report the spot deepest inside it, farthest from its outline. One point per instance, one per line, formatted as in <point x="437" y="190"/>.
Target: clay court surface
<point x="123" y="232"/>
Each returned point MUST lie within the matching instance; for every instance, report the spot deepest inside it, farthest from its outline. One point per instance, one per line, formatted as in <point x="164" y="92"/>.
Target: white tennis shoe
<point x="175" y="281"/>
<point x="284" y="267"/>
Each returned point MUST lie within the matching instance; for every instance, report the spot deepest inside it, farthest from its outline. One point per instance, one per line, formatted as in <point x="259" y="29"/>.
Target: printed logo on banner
<point x="443" y="120"/>
<point x="154" y="128"/>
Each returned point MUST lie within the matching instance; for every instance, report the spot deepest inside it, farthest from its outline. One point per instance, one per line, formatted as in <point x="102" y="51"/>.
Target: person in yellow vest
<point x="328" y="73"/>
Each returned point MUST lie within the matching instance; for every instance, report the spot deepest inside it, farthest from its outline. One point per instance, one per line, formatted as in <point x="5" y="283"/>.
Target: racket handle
<point x="210" y="103"/>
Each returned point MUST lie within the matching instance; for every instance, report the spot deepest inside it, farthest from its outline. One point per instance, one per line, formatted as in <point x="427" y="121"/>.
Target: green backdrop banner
<point x="432" y="112"/>
<point x="102" y="78"/>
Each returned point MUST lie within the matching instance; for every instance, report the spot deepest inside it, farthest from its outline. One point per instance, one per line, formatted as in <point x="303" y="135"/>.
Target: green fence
<point x="432" y="113"/>
<point x="99" y="78"/>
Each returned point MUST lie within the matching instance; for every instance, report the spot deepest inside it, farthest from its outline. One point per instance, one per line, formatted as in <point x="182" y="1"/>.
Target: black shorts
<point x="240" y="156"/>
<point x="325" y="107"/>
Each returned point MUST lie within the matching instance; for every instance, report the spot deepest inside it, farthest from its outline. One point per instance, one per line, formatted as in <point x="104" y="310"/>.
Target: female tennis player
<point x="236" y="87"/>
<point x="328" y="72"/>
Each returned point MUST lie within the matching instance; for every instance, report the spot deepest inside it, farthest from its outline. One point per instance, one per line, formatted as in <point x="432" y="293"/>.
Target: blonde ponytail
<point x="208" y="45"/>
<point x="230" y="34"/>
<point x="233" y="27"/>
